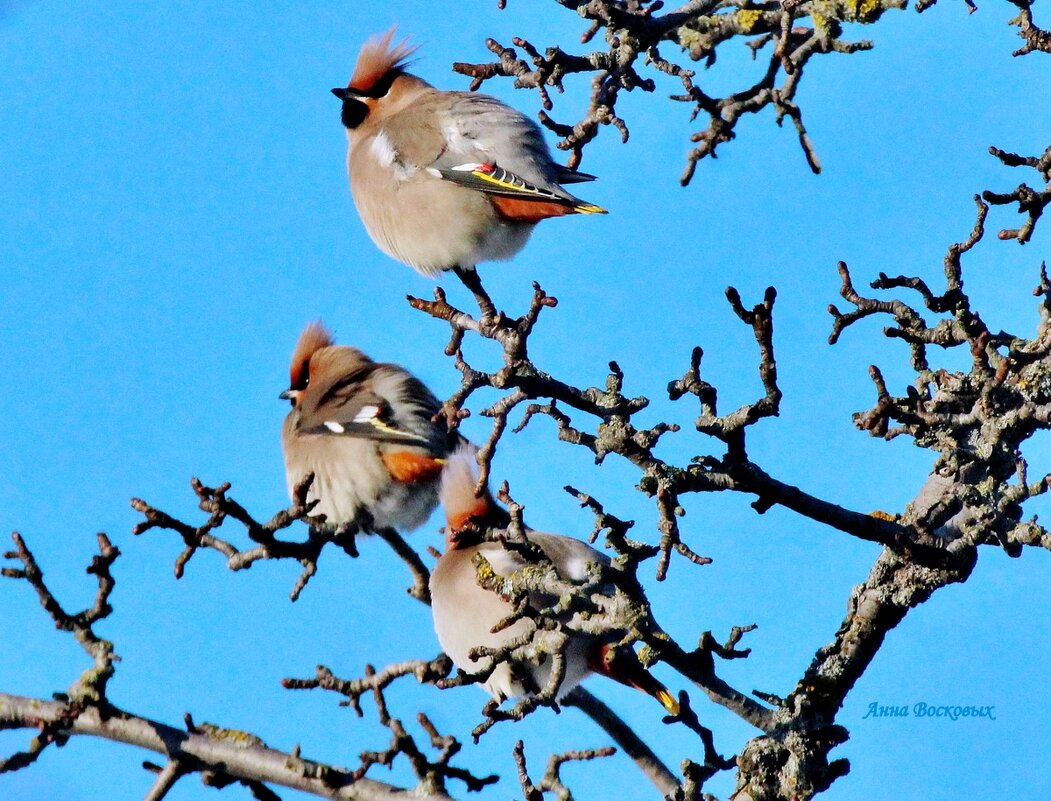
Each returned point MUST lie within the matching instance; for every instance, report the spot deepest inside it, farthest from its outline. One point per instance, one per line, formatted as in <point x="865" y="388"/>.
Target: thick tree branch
<point x="221" y="756"/>
<point x="209" y="750"/>
<point x="625" y="738"/>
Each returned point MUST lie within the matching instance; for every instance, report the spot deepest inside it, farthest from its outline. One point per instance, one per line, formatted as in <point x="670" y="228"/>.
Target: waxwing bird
<point x="365" y="430"/>
<point x="445" y="180"/>
<point x="466" y="613"/>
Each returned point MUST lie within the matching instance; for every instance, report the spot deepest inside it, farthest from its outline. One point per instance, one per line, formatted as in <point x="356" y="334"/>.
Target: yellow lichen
<point x="747" y="18"/>
<point x="646" y="655"/>
<point x="236" y="737"/>
<point x="866" y="9"/>
<point x="879" y="514"/>
<point x="691" y="39"/>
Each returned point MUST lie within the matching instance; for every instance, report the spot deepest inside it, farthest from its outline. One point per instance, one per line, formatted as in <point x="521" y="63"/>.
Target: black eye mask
<point x="354" y="112"/>
<point x="382" y="86"/>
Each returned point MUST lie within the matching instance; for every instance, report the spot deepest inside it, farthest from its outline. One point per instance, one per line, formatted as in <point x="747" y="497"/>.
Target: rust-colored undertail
<point x="529" y="210"/>
<point x="407" y="467"/>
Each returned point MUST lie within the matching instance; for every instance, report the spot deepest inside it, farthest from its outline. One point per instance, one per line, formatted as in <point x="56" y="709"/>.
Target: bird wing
<point x="367" y="418"/>
<point x="382" y="402"/>
<point x="496" y="149"/>
<point x="495" y="180"/>
<point x="567" y="175"/>
<point x="570" y="557"/>
<point x="481" y="143"/>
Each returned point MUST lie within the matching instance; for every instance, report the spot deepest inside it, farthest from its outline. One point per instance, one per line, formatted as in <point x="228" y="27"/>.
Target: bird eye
<point x="300" y="378"/>
<point x="381" y="87"/>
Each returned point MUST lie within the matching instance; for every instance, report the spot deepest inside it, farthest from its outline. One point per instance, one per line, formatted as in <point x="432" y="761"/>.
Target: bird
<point x="465" y="613"/>
<point x="367" y="431"/>
<point x="443" y="180"/>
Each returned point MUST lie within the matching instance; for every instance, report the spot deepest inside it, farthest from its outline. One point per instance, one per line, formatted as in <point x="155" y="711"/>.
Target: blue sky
<point x="174" y="209"/>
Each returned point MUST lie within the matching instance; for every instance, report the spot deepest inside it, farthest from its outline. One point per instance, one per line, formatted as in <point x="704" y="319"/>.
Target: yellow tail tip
<point x="589" y="208"/>
<point x="669" y="702"/>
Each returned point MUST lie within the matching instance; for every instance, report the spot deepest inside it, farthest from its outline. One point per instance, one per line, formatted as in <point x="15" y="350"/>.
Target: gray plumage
<point x="465" y="613"/>
<point x="410" y="152"/>
<point x="357" y="425"/>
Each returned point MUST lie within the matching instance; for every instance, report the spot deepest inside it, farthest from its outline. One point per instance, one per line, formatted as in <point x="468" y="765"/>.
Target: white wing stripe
<point x="367" y="414"/>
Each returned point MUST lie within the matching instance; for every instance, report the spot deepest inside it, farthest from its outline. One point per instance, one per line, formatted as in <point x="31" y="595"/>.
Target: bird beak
<point x="341" y="92"/>
<point x="289" y="394"/>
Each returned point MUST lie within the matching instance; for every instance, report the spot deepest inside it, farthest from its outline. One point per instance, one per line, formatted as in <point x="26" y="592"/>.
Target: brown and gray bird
<point x="365" y="430"/>
<point x="465" y="613"/>
<point x="445" y="180"/>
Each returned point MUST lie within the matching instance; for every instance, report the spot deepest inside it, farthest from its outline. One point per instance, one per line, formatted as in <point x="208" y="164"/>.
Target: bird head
<point x="467" y="512"/>
<point x="318" y="362"/>
<point x="314" y="337"/>
<point x="375" y="77"/>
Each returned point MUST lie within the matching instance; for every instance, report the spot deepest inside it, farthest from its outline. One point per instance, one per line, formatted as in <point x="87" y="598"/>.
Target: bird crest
<point x="314" y="337"/>
<point x="458" y="498"/>
<point x="377" y="59"/>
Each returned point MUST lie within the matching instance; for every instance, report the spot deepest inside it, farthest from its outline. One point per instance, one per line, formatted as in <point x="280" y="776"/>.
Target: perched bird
<point x="444" y="180"/>
<point x="465" y="613"/>
<point x="365" y="430"/>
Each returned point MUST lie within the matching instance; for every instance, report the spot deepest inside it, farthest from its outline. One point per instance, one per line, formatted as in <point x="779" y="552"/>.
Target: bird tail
<point x="567" y="175"/>
<point x="623" y="665"/>
<point x="516" y="198"/>
<point x="588" y="208"/>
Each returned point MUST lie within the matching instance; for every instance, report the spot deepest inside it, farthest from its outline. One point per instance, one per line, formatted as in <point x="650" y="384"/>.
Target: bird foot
<point x="469" y="278"/>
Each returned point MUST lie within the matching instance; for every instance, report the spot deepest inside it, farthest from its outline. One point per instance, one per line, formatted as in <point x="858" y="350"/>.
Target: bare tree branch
<point x="552" y="779"/>
<point x="1031" y="202"/>
<point x="425" y="672"/>
<point x="636" y="34"/>
<point x="625" y="738"/>
<point x="1036" y="39"/>
<point x="220" y="507"/>
<point x="90" y="688"/>
<point x="977" y="420"/>
<point x="229" y="754"/>
<point x="221" y="756"/>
